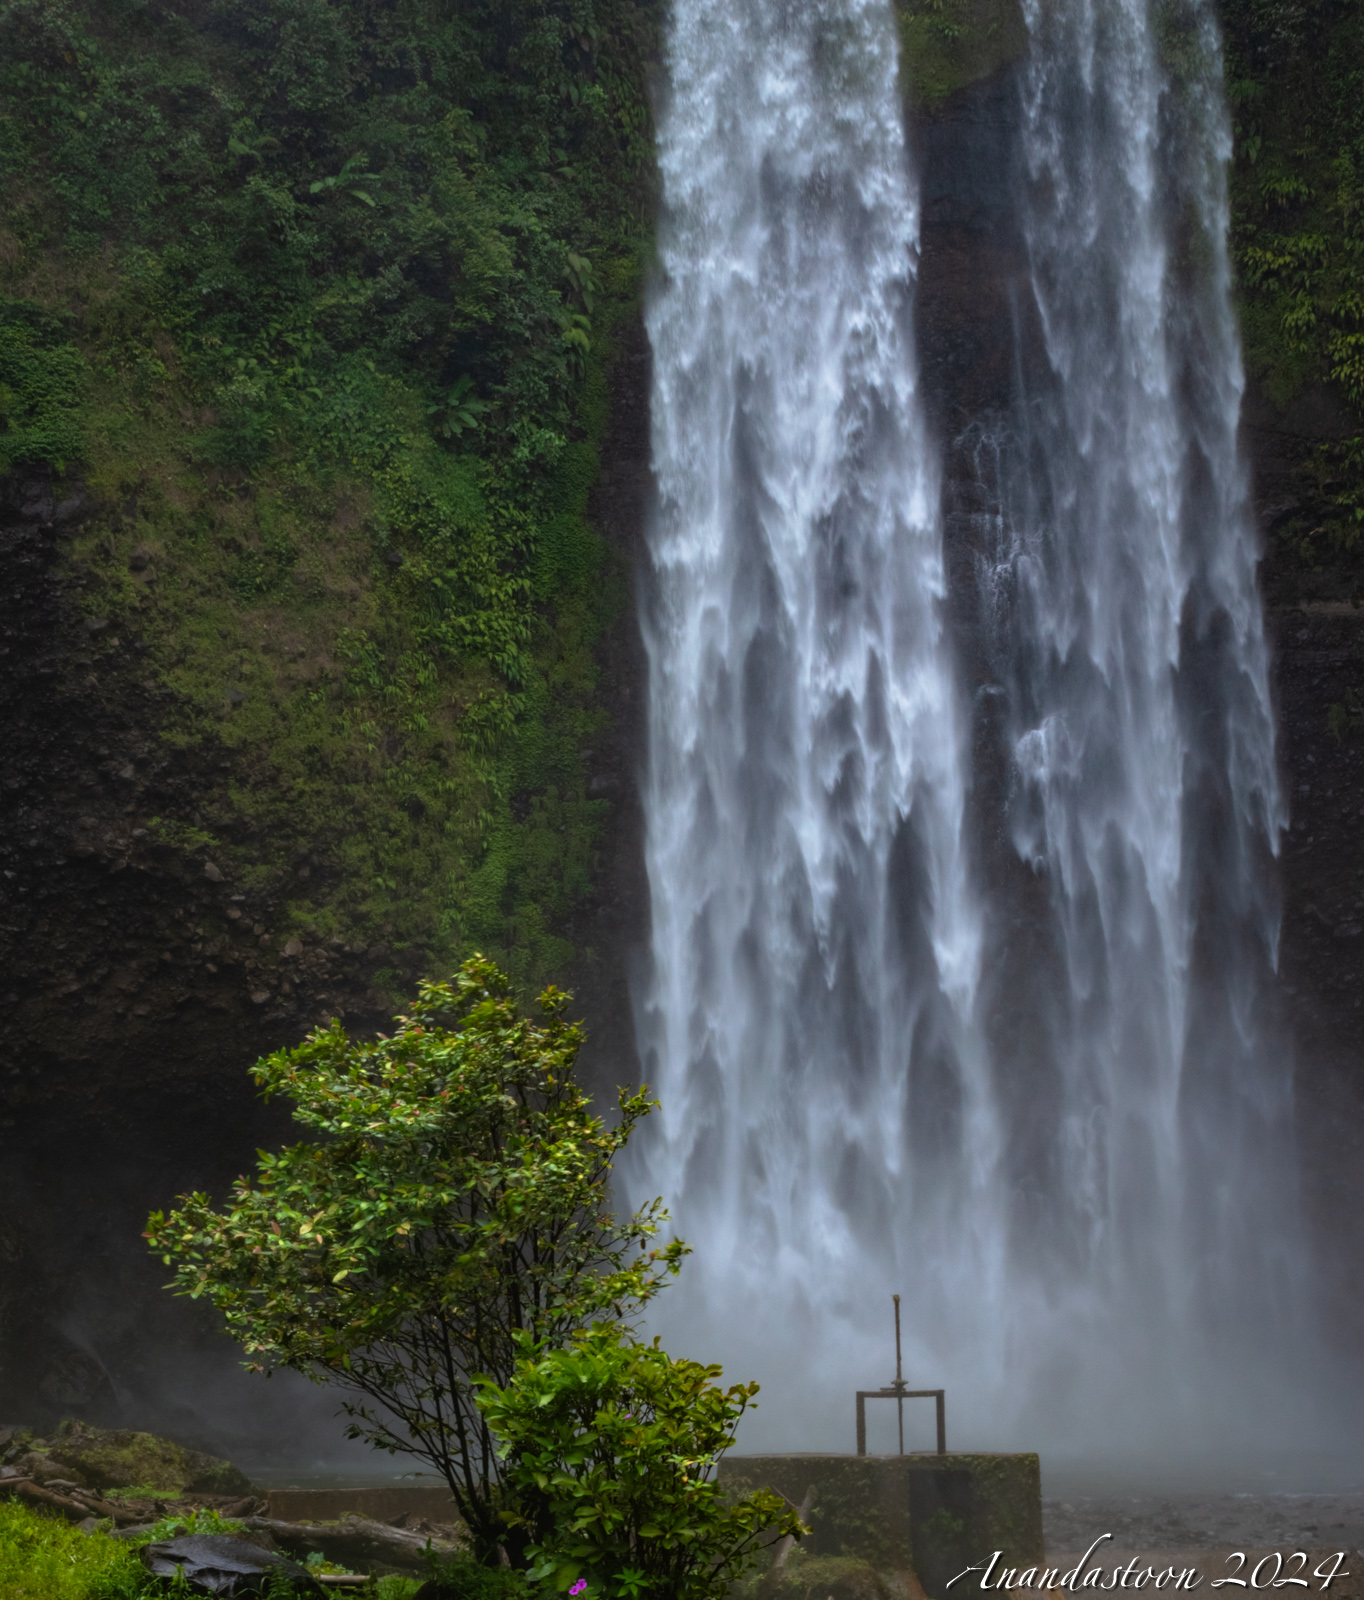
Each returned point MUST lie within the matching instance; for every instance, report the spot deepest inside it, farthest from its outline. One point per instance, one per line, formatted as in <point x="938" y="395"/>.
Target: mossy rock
<point x="42" y="1468"/>
<point x="120" y="1458"/>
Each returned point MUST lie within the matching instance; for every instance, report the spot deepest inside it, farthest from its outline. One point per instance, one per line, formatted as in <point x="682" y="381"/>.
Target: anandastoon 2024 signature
<point x="1272" y="1571"/>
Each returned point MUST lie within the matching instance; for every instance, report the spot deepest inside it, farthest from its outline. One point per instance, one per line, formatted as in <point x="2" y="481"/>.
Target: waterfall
<point x="1139" y="1069"/>
<point x="1039" y="1100"/>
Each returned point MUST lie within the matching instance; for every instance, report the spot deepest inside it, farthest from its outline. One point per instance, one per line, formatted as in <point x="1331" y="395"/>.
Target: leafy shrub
<point x="461" y="1577"/>
<point x="1297" y="190"/>
<point x="452" y="1197"/>
<point x="611" y="1448"/>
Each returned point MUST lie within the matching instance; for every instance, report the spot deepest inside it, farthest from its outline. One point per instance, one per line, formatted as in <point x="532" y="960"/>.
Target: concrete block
<point x="932" y="1514"/>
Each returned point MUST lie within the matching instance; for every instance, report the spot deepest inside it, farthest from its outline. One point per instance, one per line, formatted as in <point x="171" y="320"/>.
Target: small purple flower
<point x="578" y="1587"/>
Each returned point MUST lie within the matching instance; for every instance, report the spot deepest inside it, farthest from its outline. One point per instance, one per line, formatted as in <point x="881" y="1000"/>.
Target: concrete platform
<point x="934" y="1515"/>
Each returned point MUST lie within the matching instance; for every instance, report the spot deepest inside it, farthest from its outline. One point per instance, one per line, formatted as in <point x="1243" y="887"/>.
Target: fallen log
<point x="33" y="1494"/>
<point x="355" y="1542"/>
<point x="98" y="1506"/>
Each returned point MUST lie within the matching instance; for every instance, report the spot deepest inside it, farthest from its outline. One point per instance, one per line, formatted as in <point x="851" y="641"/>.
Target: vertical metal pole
<point x="942" y="1422"/>
<point x="899" y="1377"/>
<point x="861" y="1423"/>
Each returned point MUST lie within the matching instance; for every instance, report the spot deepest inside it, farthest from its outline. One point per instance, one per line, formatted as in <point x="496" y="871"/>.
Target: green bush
<point x="611" y="1449"/>
<point x="451" y="1198"/>
<point x="461" y="1577"/>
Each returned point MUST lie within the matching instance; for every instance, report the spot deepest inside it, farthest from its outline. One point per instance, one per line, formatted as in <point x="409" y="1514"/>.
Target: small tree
<point x="456" y="1198"/>
<point x="611" y="1447"/>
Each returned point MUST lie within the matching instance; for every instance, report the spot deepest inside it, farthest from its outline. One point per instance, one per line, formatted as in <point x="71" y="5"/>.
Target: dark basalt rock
<point x="215" y="1563"/>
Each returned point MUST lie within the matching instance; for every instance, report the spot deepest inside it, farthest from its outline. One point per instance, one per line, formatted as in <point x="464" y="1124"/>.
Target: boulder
<point x="121" y="1458"/>
<point x="215" y="1563"/>
<point x="40" y="1467"/>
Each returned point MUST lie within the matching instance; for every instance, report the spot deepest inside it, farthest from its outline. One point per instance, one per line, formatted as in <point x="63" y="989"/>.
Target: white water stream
<point x="1055" y="1123"/>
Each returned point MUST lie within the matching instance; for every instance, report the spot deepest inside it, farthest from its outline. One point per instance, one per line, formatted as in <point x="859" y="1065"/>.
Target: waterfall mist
<point x="1014" y="1053"/>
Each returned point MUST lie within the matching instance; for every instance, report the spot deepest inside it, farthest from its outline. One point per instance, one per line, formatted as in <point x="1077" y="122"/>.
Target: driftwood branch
<point x="787" y="1541"/>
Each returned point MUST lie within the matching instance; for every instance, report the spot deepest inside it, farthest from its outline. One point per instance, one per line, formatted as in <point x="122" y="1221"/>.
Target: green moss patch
<point x="947" y="44"/>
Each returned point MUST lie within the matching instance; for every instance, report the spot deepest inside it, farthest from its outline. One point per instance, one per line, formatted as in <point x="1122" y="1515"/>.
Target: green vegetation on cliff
<point x="947" y="44"/>
<point x="1295" y="73"/>
<point x="317" y="299"/>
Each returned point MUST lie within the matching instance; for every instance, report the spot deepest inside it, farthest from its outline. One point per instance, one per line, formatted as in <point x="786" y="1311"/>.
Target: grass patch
<point x="42" y="1558"/>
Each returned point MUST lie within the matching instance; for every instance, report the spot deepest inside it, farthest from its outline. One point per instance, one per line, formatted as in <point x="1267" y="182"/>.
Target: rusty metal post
<point x="899" y="1377"/>
<point x="899" y="1393"/>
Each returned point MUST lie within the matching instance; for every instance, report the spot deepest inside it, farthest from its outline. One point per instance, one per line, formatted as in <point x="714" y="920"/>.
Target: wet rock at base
<point x="220" y="1564"/>
<point x="119" y="1458"/>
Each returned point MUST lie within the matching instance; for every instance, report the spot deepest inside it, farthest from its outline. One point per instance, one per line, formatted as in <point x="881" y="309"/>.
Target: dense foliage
<point x="44" y="1558"/>
<point x="612" y="1448"/>
<point x="461" y="1577"/>
<point x="452" y="1198"/>
<point x="1295" y="71"/>
<point x="318" y="297"/>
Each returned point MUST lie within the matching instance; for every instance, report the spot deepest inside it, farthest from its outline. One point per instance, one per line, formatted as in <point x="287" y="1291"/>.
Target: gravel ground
<point x="1191" y="1521"/>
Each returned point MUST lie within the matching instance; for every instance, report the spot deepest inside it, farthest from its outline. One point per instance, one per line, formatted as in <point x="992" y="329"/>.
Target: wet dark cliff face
<point x="137" y="985"/>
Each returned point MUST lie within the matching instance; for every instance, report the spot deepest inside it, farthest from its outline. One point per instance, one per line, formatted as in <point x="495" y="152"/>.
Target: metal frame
<point x="901" y="1394"/>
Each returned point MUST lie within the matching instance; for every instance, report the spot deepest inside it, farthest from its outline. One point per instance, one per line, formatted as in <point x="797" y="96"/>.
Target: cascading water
<point x="870" y="1079"/>
<point x="815" y="942"/>
<point x="1127" y="633"/>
